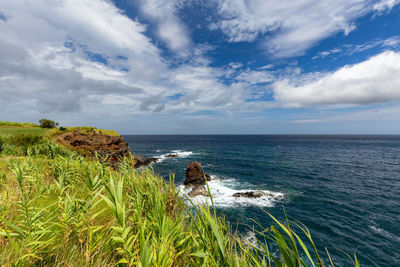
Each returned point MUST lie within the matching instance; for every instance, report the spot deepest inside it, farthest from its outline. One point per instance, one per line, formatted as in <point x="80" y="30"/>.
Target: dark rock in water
<point x="198" y="190"/>
<point x="142" y="161"/>
<point x="195" y="175"/>
<point x="172" y="156"/>
<point x="249" y="194"/>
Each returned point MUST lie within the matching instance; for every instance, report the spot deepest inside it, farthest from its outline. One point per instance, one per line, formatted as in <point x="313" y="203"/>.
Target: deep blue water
<point x="345" y="189"/>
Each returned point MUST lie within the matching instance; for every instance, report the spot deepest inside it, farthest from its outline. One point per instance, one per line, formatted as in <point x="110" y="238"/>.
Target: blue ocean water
<point x="344" y="188"/>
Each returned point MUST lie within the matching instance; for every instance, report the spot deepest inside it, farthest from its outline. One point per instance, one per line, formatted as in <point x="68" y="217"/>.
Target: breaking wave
<point x="222" y="191"/>
<point x="178" y="153"/>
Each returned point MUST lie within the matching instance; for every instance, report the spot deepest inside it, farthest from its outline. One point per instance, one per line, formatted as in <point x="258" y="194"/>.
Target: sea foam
<point x="179" y="153"/>
<point x="222" y="191"/>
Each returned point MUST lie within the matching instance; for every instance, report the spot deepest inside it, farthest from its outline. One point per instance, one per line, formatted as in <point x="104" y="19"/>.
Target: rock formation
<point x="112" y="148"/>
<point x="172" y="156"/>
<point x="107" y="147"/>
<point x="142" y="161"/>
<point x="195" y="175"/>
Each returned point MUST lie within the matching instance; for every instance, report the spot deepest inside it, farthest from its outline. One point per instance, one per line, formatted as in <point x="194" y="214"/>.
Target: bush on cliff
<point x="46" y="123"/>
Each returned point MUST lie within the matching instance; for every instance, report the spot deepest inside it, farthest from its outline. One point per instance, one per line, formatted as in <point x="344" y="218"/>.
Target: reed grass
<point x="60" y="209"/>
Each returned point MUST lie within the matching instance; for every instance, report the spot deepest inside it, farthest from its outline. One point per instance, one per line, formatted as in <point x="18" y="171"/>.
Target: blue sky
<point x="203" y="67"/>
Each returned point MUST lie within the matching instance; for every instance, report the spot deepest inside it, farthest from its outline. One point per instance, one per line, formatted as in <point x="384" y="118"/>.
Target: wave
<point x="250" y="240"/>
<point x="178" y="153"/>
<point x="384" y="233"/>
<point x="222" y="191"/>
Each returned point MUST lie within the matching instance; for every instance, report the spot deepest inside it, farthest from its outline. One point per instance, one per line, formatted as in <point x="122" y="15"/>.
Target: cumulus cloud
<point x="375" y="80"/>
<point x="72" y="55"/>
<point x="169" y="27"/>
<point x="87" y="57"/>
<point x="291" y="27"/>
<point x="36" y="63"/>
<point x="385" y="5"/>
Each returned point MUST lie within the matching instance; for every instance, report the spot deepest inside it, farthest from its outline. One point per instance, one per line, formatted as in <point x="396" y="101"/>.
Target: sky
<point x="203" y="66"/>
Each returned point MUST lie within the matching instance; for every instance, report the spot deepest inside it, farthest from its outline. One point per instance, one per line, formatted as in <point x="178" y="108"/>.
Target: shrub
<point x="63" y="128"/>
<point x="46" y="123"/>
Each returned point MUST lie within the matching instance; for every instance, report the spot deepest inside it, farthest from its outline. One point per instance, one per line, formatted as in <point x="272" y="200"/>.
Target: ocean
<point x="344" y="188"/>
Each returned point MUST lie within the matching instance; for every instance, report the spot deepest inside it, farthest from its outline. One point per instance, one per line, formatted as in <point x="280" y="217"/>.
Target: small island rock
<point x="195" y="175"/>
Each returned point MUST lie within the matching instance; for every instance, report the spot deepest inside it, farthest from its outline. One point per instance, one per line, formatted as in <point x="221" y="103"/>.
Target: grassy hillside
<point x="60" y="209"/>
<point x="17" y="124"/>
<point x="85" y="130"/>
<point x="12" y="130"/>
<point x="9" y="129"/>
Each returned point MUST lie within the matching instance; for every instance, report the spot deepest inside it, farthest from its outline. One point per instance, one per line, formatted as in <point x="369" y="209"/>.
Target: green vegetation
<point x="84" y="130"/>
<point x="18" y="124"/>
<point x="60" y="209"/>
<point x="10" y="131"/>
<point x="46" y="123"/>
<point x="18" y="129"/>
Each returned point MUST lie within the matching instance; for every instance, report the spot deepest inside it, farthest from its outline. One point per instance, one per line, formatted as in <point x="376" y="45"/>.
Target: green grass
<point x="84" y="130"/>
<point x="11" y="130"/>
<point x="18" y="124"/>
<point x="60" y="209"/>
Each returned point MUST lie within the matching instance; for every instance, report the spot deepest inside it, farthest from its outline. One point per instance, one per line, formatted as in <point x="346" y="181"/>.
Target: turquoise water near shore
<point x="344" y="188"/>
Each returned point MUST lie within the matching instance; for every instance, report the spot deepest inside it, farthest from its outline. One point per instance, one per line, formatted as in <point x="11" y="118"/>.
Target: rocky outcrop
<point x="171" y="156"/>
<point x="198" y="190"/>
<point x="107" y="147"/>
<point x="142" y="161"/>
<point x="195" y="175"/>
<point x="250" y="194"/>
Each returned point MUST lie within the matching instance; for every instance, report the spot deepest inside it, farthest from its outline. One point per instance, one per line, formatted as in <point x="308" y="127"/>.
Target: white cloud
<point x="291" y="27"/>
<point x="46" y="55"/>
<point x="169" y="27"/>
<point x="323" y="54"/>
<point x="385" y="5"/>
<point x="392" y="43"/>
<point x="255" y="77"/>
<point x="375" y="80"/>
<point x="36" y="64"/>
<point x="51" y="55"/>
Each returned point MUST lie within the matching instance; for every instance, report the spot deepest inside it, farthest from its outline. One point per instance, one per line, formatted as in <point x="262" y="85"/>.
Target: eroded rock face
<point x="198" y="190"/>
<point x="112" y="148"/>
<point x="249" y="194"/>
<point x="195" y="175"/>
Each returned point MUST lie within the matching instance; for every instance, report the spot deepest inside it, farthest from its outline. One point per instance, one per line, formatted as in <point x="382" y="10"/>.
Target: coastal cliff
<point x="107" y="148"/>
<point x="59" y="208"/>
